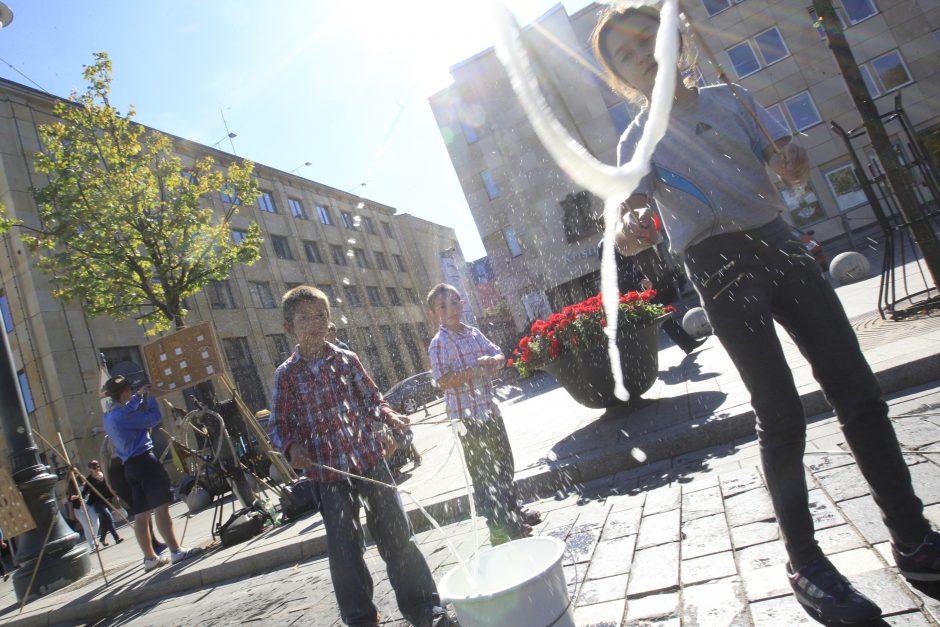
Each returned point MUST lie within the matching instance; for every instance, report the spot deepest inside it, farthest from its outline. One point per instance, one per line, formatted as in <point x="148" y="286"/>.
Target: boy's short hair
<point x="439" y="289"/>
<point x="300" y="294"/>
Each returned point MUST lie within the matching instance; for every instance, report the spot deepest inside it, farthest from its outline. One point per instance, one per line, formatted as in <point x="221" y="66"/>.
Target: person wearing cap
<point x="94" y="492"/>
<point x="128" y="423"/>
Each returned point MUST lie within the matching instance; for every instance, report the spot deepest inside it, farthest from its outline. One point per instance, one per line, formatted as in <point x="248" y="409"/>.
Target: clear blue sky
<point x="341" y="84"/>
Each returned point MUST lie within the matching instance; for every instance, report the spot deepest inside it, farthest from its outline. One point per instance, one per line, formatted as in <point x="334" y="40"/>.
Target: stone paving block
<point x="932" y="513"/>
<point x="931" y="604"/>
<point x="693" y="483"/>
<point x="662" y="500"/>
<point x="659" y="529"/>
<point x="717" y="603"/>
<point x="695" y="461"/>
<point x="908" y="619"/>
<point x="655" y="568"/>
<point x="740" y="481"/>
<point x="655" y="475"/>
<point x="590" y="516"/>
<point x="865" y="515"/>
<point x="779" y="611"/>
<point x="817" y="463"/>
<point x="838" y="539"/>
<point x="763" y="570"/>
<point x="622" y="523"/>
<point x="704" y="536"/>
<point x="701" y="503"/>
<point x="885" y="589"/>
<point x="749" y="507"/>
<point x="580" y="546"/>
<point x="915" y="432"/>
<point x="653" y="607"/>
<point x="601" y="590"/>
<point x="623" y="502"/>
<point x="612" y="557"/>
<point x="856" y="561"/>
<point x="609" y="614"/>
<point x="754" y="533"/>
<point x="707" y="568"/>
<point x="825" y="514"/>
<point x="843" y="482"/>
<point x="926" y="478"/>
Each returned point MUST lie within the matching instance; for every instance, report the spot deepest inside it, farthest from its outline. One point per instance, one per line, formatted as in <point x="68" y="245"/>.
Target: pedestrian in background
<point x="102" y="507"/>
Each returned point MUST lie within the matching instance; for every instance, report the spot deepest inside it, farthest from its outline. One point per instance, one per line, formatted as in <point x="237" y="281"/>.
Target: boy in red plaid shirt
<point x="324" y="407"/>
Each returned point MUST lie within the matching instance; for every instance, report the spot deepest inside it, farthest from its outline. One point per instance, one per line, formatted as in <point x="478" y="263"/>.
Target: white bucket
<point x="520" y="583"/>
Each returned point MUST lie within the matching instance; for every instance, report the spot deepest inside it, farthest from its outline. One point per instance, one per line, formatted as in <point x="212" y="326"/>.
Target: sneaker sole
<point x="815" y="614"/>
<point x="918" y="576"/>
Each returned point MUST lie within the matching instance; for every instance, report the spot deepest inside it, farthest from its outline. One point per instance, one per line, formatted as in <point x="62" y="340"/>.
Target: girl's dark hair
<point x="300" y="294"/>
<point x="610" y="17"/>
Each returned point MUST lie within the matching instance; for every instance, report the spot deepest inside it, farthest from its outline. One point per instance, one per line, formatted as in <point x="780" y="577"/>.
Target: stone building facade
<point x="539" y="229"/>
<point x="374" y="263"/>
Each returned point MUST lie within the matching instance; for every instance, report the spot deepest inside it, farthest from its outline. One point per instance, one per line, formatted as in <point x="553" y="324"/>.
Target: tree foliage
<point x="125" y="228"/>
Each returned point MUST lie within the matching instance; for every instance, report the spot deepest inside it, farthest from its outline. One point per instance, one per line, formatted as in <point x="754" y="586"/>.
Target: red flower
<point x="510" y="363"/>
<point x="554" y="349"/>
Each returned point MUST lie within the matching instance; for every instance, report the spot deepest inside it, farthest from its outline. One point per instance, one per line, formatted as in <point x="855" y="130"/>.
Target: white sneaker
<point x="150" y="564"/>
<point x="184" y="553"/>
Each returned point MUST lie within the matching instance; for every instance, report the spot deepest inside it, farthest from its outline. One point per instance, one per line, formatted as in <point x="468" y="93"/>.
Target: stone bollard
<point x="696" y="323"/>
<point x="849" y="267"/>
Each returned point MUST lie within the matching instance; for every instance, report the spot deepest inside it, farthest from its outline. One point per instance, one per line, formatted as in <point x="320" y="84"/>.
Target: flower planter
<point x="587" y="377"/>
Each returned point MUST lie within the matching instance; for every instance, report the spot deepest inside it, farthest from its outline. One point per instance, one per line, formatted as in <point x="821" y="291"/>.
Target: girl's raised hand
<point x="636" y="231"/>
<point x="790" y="164"/>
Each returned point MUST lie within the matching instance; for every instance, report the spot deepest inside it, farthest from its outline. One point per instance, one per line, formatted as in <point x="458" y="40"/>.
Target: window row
<point x="221" y="296"/>
<point x="324" y="215"/>
<point x="340" y="256"/>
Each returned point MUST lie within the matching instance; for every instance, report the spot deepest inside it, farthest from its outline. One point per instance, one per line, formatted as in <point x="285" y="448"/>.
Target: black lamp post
<point x="66" y="556"/>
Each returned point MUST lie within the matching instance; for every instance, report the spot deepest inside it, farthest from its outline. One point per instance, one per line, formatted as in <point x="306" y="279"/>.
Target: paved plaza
<point x="682" y="534"/>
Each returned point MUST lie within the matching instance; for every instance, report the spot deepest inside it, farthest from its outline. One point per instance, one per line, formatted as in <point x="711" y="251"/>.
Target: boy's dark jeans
<point x="408" y="571"/>
<point x="105" y="521"/>
<point x="746" y="281"/>
<point x="492" y="470"/>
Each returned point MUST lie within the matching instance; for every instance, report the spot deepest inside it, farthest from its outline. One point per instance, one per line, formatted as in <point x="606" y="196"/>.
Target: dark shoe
<point x="118" y="540"/>
<point x="530" y="516"/>
<point x="440" y="618"/>
<point x="105" y="543"/>
<point x="159" y="548"/>
<point x="828" y="596"/>
<point x="923" y="563"/>
<point x="690" y="348"/>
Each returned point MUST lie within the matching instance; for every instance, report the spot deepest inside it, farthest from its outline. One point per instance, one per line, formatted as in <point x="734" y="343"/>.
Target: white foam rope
<point x="612" y="184"/>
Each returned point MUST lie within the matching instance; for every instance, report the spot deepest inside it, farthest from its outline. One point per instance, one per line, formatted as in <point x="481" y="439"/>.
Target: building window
<point x="229" y="195"/>
<point x="408" y="336"/>
<point x="220" y="295"/>
<point x="352" y="295"/>
<point x="280" y="348"/>
<point x="339" y="257"/>
<point x="388" y="230"/>
<point x="243" y="372"/>
<point x="714" y="7"/>
<point x="312" y="250"/>
<point x="399" y="263"/>
<point x="512" y="242"/>
<point x="889" y="72"/>
<point x="770" y="48"/>
<point x="579" y="219"/>
<point x="380" y="260"/>
<point x="281" y="247"/>
<point x="859" y="10"/>
<point x="393" y="296"/>
<point x="394" y="350"/>
<point x="370" y="225"/>
<point x="491" y="189"/>
<point x="776" y="112"/>
<point x="6" y="313"/>
<point x="374" y="358"/>
<point x="375" y="296"/>
<point x="324" y="214"/>
<point x="412" y="296"/>
<point x="347" y="218"/>
<point x="238" y="236"/>
<point x="329" y="291"/>
<point x="297" y="208"/>
<point x="26" y="391"/>
<point x="361" y="259"/>
<point x="844" y="185"/>
<point x="261" y="294"/>
<point x="266" y="202"/>
<point x="802" y="111"/>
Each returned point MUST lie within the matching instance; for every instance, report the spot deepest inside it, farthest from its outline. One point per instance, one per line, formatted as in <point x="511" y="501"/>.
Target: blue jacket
<point x="129" y="426"/>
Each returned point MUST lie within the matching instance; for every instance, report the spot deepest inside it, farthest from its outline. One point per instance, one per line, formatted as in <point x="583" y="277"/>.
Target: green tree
<point x="125" y="228"/>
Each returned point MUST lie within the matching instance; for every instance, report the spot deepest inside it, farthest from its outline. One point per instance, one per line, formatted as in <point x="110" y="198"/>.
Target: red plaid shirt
<point x="327" y="406"/>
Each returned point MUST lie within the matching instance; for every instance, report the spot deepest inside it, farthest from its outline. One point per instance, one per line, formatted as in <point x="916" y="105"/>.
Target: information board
<point x="15" y="518"/>
<point x="183" y="358"/>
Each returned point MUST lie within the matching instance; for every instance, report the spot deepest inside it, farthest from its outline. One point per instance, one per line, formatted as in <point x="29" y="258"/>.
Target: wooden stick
<point x="72" y="471"/>
<point x="42" y="552"/>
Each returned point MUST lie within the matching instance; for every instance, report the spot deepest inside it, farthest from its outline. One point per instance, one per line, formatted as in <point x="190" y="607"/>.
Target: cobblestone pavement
<point x="686" y="541"/>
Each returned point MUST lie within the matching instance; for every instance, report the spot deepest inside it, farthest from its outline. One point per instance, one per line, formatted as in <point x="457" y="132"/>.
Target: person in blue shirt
<point x="128" y="423"/>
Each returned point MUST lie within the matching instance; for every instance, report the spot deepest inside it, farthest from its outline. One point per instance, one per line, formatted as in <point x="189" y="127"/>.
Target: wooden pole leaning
<point x="72" y="472"/>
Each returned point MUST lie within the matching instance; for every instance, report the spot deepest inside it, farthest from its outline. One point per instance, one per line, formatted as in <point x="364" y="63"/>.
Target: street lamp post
<point x="66" y="558"/>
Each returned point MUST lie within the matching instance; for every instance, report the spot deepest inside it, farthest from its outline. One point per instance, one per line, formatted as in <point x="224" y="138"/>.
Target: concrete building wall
<point x="485" y="131"/>
<point x="56" y="346"/>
